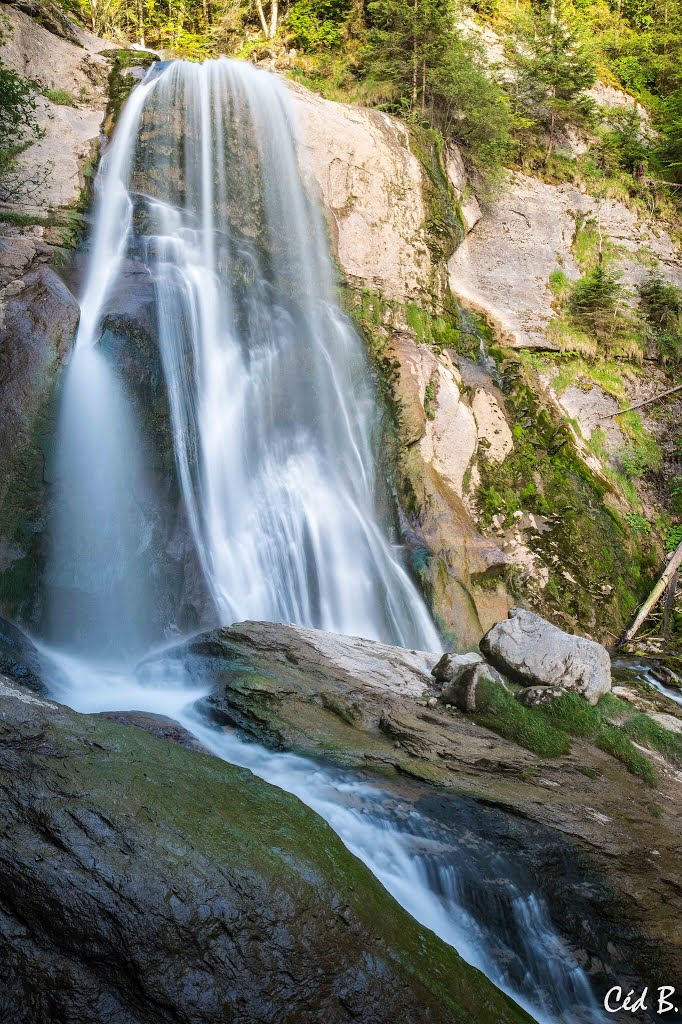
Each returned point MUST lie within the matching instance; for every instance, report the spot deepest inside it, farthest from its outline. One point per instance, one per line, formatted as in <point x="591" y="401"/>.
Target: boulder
<point x="451" y="666"/>
<point x="463" y="690"/>
<point x="532" y="696"/>
<point x="535" y="653"/>
<point x="144" y="883"/>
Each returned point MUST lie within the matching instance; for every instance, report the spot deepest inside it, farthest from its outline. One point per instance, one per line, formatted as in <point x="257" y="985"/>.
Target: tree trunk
<point x="414" y="72"/>
<point x="261" y="15"/>
<point x="670" y="604"/>
<point x="273" y="19"/>
<point x="654" y="597"/>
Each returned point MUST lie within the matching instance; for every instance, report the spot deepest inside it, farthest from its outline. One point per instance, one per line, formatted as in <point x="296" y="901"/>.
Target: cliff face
<point x="493" y="461"/>
<point x="489" y="457"/>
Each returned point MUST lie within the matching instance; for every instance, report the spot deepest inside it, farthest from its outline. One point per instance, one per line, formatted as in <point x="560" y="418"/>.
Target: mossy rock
<point x="144" y="882"/>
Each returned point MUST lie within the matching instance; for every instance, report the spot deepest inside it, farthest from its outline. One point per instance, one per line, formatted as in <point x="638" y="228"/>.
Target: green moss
<point x="504" y="715"/>
<point x="444" y="221"/>
<point x="545" y="475"/>
<point x="200" y="807"/>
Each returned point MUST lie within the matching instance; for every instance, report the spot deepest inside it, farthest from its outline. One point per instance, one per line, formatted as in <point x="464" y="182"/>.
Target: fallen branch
<point x="646" y="401"/>
<point x="654" y="597"/>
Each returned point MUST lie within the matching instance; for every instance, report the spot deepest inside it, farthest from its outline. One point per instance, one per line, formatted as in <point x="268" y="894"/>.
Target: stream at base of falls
<point x="447" y="875"/>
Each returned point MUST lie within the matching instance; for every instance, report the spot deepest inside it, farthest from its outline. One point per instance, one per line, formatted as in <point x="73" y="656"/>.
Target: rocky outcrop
<point x="19" y="658"/>
<point x="536" y="653"/>
<point x="38" y="324"/>
<point x="502" y="267"/>
<point x="307" y="704"/>
<point x="372" y="188"/>
<point x="142" y="883"/>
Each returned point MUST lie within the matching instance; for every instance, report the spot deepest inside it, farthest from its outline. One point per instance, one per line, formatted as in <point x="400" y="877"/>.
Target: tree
<point x="435" y="76"/>
<point x="661" y="306"/>
<point x="552" y="71"/>
<point x="595" y="302"/>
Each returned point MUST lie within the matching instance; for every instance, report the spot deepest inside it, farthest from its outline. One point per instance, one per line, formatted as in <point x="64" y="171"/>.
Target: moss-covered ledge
<point x="197" y="890"/>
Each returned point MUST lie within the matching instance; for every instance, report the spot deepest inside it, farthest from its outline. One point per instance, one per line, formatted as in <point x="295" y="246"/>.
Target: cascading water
<point x="273" y="423"/>
<point x="272" y="408"/>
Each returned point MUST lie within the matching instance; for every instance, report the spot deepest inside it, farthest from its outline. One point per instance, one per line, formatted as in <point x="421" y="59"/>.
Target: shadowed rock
<point x="142" y="883"/>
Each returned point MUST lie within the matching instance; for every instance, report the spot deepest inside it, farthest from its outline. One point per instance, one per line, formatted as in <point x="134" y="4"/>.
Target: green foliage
<point x="315" y="24"/>
<point x="673" y="538"/>
<point x="430" y="73"/>
<point x="594" y="303"/>
<point x="638" y="523"/>
<point x="552" y="71"/>
<point x="660" y="304"/>
<point x="18" y="124"/>
<point x="643" y="730"/>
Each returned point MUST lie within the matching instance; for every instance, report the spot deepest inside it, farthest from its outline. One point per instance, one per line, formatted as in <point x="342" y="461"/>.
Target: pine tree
<point x="553" y="69"/>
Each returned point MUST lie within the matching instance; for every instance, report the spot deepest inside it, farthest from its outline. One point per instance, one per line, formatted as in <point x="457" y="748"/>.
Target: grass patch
<point x="547" y="729"/>
<point x="10" y="217"/>
<point x="614" y="741"/>
<point x="505" y="716"/>
<point x="61" y="97"/>
<point x="645" y="731"/>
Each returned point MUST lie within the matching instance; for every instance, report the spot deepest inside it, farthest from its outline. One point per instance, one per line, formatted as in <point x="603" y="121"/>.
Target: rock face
<point x="36" y="334"/>
<point x="307" y="704"/>
<point x="144" y="883"/>
<point x="371" y="185"/>
<point x="502" y="267"/>
<point x="19" y="658"/>
<point x="536" y="653"/>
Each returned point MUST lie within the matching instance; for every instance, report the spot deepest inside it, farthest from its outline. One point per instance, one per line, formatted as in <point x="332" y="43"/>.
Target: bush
<point x="594" y="302"/>
<point x="18" y="125"/>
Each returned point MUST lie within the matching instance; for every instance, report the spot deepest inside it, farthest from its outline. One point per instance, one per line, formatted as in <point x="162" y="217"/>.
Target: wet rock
<point x="536" y="653"/>
<point x="38" y="329"/>
<point x="158" y="725"/>
<point x="143" y="883"/>
<point x="19" y="658"/>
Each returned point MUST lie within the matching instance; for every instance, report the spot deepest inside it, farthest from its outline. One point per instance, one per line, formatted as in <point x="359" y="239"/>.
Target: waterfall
<point x="209" y="270"/>
<point x="269" y="393"/>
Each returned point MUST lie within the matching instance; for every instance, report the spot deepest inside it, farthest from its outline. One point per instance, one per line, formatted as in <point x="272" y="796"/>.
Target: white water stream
<point x="273" y="424"/>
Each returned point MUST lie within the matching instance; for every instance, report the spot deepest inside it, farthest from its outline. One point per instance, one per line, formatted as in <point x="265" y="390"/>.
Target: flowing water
<point x="273" y="425"/>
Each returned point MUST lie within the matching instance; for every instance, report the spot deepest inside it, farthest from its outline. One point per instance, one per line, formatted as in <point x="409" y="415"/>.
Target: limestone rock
<point x="463" y="688"/>
<point x="533" y="696"/>
<point x="536" y="653"/>
<point x="451" y="666"/>
<point x="492" y="426"/>
<point x="365" y="663"/>
<point x="371" y="186"/>
<point x="468" y="203"/>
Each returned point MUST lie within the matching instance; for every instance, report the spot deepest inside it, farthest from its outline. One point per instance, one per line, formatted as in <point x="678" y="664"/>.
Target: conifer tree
<point x="553" y="69"/>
